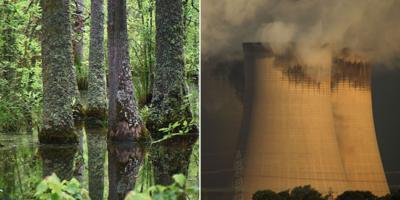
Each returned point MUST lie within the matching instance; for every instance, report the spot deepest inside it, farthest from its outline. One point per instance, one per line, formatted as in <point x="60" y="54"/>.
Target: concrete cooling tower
<point x="304" y="130"/>
<point x="352" y="109"/>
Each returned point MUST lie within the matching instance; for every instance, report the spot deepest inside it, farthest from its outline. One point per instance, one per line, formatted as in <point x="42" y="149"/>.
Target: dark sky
<point x="386" y="108"/>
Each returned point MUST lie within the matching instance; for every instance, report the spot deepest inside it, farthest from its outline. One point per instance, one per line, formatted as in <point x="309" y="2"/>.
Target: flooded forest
<point x="99" y="99"/>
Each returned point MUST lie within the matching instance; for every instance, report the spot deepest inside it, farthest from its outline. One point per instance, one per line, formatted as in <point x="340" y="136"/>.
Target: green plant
<point x="145" y="176"/>
<point x="182" y="127"/>
<point x="175" y="191"/>
<point x="51" y="188"/>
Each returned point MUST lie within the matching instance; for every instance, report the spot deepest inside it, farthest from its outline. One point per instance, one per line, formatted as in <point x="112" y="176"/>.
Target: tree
<point x="305" y="193"/>
<point x="124" y="119"/>
<point x="97" y="98"/>
<point x="266" y="195"/>
<point x="357" y="195"/>
<point x="169" y="88"/>
<point x="77" y="41"/>
<point x="59" y="83"/>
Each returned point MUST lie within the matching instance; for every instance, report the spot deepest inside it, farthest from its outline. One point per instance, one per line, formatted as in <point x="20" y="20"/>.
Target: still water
<point x="107" y="171"/>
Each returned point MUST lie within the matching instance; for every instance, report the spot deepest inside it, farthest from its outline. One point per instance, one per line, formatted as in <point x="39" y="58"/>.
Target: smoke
<point x="320" y="29"/>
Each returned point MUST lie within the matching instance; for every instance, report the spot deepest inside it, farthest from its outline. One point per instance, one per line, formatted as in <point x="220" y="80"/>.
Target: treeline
<point x="309" y="193"/>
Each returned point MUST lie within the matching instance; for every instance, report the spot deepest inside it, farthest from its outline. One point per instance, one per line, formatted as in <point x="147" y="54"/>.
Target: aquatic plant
<point x="177" y="190"/>
<point x="51" y="188"/>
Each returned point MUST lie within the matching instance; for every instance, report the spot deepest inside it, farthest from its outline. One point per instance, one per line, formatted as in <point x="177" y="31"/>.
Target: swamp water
<point x="107" y="171"/>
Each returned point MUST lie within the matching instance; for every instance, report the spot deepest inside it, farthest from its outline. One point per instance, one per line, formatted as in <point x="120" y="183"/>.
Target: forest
<point x="99" y="99"/>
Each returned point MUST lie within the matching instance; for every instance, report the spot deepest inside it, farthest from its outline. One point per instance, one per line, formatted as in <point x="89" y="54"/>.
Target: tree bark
<point x="77" y="53"/>
<point x="124" y="119"/>
<point x="77" y="42"/>
<point x="97" y="98"/>
<point x="59" y="82"/>
<point x="169" y="87"/>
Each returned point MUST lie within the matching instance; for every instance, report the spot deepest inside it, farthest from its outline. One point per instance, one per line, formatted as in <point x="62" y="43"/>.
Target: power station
<point x="308" y="126"/>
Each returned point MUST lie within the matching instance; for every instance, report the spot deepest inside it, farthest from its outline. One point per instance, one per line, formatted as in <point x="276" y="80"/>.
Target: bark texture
<point x="77" y="42"/>
<point x="169" y="87"/>
<point x="124" y="119"/>
<point x="59" y="83"/>
<point x="97" y="99"/>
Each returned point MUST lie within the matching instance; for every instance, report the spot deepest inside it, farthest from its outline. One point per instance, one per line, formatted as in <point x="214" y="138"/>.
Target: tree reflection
<point x="96" y="140"/>
<point x="171" y="157"/>
<point x="58" y="159"/>
<point x="124" y="160"/>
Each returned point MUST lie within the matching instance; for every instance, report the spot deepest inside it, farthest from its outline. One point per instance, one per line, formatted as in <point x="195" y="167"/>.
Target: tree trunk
<point x="169" y="87"/>
<point x="124" y="119"/>
<point x="59" y="81"/>
<point x="97" y="98"/>
<point x="77" y="42"/>
<point x="77" y="50"/>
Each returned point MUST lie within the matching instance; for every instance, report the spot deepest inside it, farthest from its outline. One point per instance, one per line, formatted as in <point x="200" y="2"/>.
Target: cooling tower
<point x="291" y="132"/>
<point x="352" y="108"/>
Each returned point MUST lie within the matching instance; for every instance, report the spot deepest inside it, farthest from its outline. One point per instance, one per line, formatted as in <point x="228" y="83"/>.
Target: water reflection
<point x="123" y="167"/>
<point x="58" y="159"/>
<point x="172" y="157"/>
<point x="107" y="171"/>
<point x="97" y="145"/>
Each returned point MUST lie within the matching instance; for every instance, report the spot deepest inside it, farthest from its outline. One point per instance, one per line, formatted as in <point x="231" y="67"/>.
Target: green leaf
<point x="180" y="179"/>
<point x="41" y="188"/>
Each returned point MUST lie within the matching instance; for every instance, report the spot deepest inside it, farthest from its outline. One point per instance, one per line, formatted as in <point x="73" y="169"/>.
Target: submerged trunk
<point x="124" y="119"/>
<point x="169" y="87"/>
<point x="97" y="99"/>
<point x="59" y="83"/>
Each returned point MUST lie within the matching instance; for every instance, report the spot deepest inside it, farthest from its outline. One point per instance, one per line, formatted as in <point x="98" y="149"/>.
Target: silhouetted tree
<point x="356" y="195"/>
<point x="266" y="195"/>
<point x="305" y="193"/>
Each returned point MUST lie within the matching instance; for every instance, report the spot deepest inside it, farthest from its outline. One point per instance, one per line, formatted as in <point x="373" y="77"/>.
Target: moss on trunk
<point x="97" y="99"/>
<point x="169" y="87"/>
<point x="59" y="83"/>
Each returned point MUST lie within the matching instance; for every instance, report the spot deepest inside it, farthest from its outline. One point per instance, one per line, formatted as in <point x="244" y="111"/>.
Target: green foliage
<point x="191" y="24"/>
<point x="145" y="176"/>
<point x="178" y="128"/>
<point x="20" y="80"/>
<point x="51" y="188"/>
<point x="193" y="171"/>
<point x="175" y="191"/>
